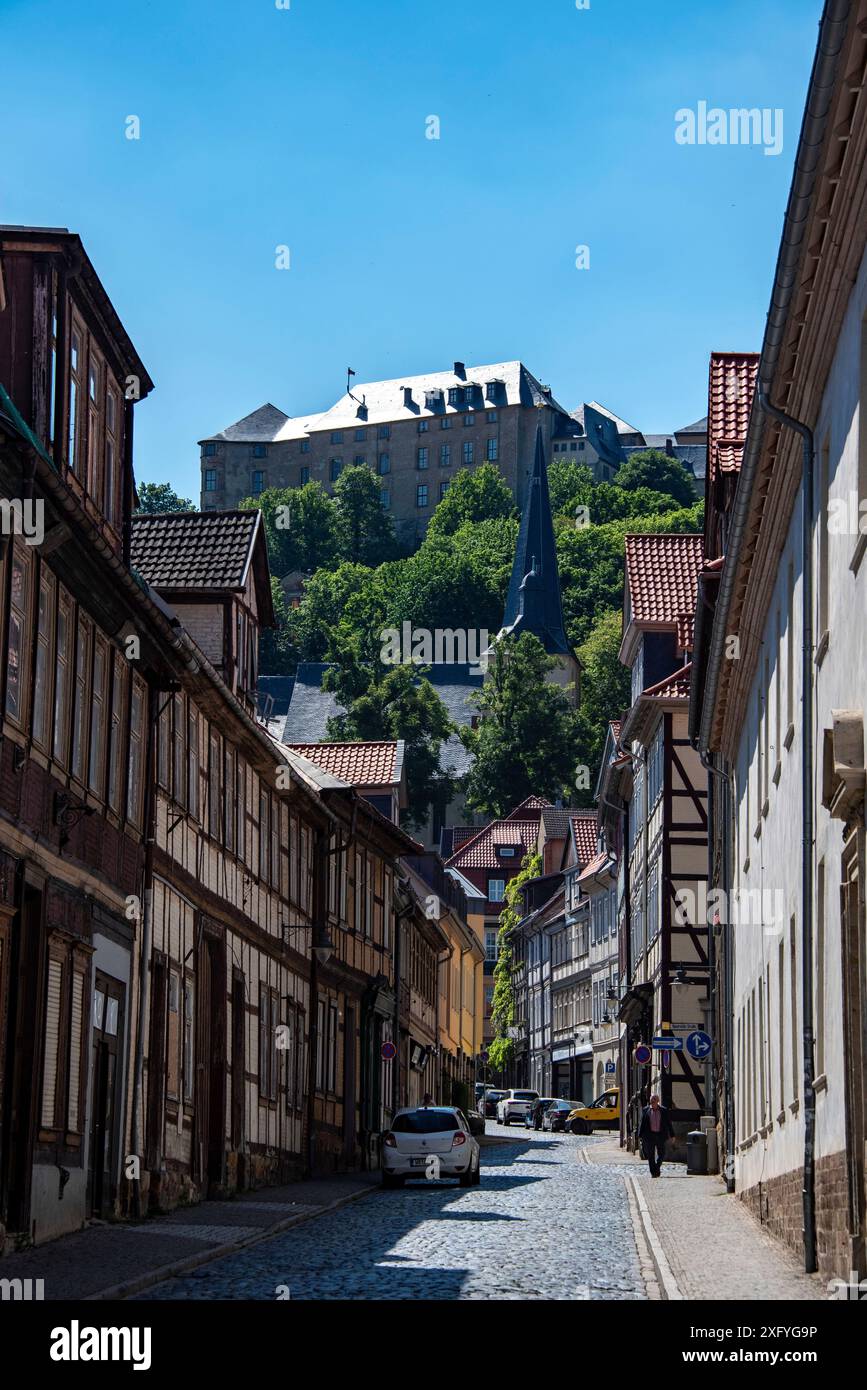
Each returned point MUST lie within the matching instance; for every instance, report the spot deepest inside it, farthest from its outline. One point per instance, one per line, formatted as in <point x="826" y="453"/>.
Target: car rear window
<point x="425" y="1122"/>
<point x="524" y="1095"/>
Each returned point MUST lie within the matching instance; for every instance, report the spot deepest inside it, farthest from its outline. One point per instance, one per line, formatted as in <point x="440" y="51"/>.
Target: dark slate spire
<point x="533" y="601"/>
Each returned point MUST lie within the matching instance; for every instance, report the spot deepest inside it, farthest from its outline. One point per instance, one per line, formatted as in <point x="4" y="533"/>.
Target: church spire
<point x="533" y="602"/>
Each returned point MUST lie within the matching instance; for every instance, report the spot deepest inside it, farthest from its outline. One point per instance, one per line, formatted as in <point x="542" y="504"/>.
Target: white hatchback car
<point x="431" y="1141"/>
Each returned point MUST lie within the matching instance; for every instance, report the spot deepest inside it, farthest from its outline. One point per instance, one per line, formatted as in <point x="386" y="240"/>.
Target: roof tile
<point x="360" y="764"/>
<point x="730" y="398"/>
<point x="193" y="550"/>
<point x="662" y="578"/>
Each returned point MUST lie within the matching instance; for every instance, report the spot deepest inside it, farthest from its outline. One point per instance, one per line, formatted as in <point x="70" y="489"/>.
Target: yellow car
<point x="603" y="1113"/>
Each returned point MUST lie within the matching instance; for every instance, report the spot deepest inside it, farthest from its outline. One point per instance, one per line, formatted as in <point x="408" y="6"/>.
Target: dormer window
<point x="493" y="389"/>
<point x="434" y="400"/>
<point x="506" y="851"/>
<point x="455" y="394"/>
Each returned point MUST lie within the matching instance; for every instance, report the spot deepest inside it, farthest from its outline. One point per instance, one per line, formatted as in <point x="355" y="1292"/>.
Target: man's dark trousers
<point x="654" y="1148"/>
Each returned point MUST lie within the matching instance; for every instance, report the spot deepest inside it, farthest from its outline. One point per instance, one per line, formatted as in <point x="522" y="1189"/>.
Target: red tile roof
<point x="614" y="726"/>
<point x="585" y="830"/>
<point x="685" y="632"/>
<point x="594" y="866"/>
<point x="662" y="578"/>
<point x="481" y="851"/>
<point x="360" y="764"/>
<point x="730" y="397"/>
<point x="673" y="687"/>
<point x="532" y="803"/>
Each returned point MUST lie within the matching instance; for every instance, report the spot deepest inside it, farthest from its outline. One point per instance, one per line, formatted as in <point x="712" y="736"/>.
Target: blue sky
<point x="305" y="127"/>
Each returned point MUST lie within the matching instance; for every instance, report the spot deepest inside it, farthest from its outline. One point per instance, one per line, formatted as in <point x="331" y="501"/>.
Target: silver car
<point x="430" y="1141"/>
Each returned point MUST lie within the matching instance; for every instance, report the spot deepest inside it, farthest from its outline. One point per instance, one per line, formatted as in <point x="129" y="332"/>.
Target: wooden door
<point x="106" y="1052"/>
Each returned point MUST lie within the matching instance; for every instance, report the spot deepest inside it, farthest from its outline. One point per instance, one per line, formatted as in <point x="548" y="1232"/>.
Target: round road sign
<point x="642" y="1054"/>
<point x="388" y="1051"/>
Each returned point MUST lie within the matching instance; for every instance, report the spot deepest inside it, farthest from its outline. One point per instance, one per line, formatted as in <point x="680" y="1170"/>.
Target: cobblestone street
<point x="543" y="1224"/>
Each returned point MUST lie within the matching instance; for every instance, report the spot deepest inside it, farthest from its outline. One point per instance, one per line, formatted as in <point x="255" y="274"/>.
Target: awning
<point x="564" y="1054"/>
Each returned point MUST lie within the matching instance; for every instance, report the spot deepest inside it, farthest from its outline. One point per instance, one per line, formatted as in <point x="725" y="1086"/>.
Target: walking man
<point x="653" y="1133"/>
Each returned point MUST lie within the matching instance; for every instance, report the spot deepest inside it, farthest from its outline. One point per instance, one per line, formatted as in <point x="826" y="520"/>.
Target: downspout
<point x="807" y="808"/>
<point x="398" y="965"/>
<point x="319" y="916"/>
<point x="144" y="959"/>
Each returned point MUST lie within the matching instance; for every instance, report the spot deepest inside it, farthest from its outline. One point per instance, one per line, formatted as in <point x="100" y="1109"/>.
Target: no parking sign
<point x="642" y="1054"/>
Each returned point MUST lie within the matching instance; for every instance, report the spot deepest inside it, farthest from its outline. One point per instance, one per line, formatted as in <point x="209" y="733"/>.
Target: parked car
<point x="603" y="1113"/>
<point x="440" y="1132"/>
<point x="514" y="1105"/>
<point x="477" y="1122"/>
<point x="488" y="1104"/>
<point x="558" y="1112"/>
<point x="534" y="1116"/>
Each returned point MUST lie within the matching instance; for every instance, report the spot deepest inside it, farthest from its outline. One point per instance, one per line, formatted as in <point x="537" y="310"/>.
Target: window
<point x="422" y="458"/>
<point x="492" y="417"/>
<point x="64" y="1067"/>
<point x="98" y="716"/>
<point x="173" y="1049"/>
<point x="385" y="498"/>
<point x="214" y="790"/>
<point x="337" y="436"/>
<point x="112" y="454"/>
<point x="384" y="464"/>
<point x="62" y="675"/>
<point x="335" y="467"/>
<point x="193" y="763"/>
<point x="210" y="480"/>
<point x="492" y="450"/>
<point x="320" y="1044"/>
<point x="468" y="451"/>
<point x="179" y="760"/>
<point x="454" y="395"/>
<point x="469" y="420"/>
<point x="360" y="436"/>
<point x="492" y="947"/>
<point x="445" y="423"/>
<point x="18" y="647"/>
<point x="384" y="432"/>
<point x="229" y="797"/>
<point x="116" y="732"/>
<point x="496" y="889"/>
<point x="331" y="1060"/>
<point x="421" y="496"/>
<point x="359" y="460"/>
<point x="506" y="852"/>
<point x="136" y="752"/>
<point x="258" y="482"/>
<point x="82" y="697"/>
<point x="42" y="683"/>
<point x="303" y="475"/>
<point x="189" y="1072"/>
<point x="655" y="768"/>
<point x="423" y="426"/>
<point x="304" y="446"/>
<point x="73" y="440"/>
<point x="445" y="455"/>
<point x="210" y="450"/>
<point x="264" y="833"/>
<point x="444" y="487"/>
<point x="268" y="1023"/>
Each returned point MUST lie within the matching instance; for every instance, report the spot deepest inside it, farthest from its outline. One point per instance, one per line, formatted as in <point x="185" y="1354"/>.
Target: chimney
<point x="460" y="369"/>
<point x="407" y="396"/>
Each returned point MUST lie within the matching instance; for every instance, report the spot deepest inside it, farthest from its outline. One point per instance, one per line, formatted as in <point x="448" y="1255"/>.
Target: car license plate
<point x="417" y="1162"/>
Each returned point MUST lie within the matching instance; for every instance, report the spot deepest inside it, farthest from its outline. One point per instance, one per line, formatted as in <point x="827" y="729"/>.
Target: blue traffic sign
<point x="698" y="1045"/>
<point x="668" y="1044"/>
<point x="610" y="1066"/>
<point x="642" y="1054"/>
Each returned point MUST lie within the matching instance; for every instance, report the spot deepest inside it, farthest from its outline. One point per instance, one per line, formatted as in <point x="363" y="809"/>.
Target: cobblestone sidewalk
<point x="704" y="1242"/>
<point x="119" y="1259"/>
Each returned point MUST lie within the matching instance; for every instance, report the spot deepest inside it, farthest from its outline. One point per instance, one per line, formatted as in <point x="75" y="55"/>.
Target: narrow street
<point x="543" y="1224"/>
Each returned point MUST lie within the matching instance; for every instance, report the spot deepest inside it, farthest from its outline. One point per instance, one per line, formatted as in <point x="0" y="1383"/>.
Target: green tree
<point x="604" y="694"/>
<point x="476" y="495"/>
<point x="654" y="469"/>
<point x="590" y="560"/>
<point x="300" y="528"/>
<point x="525" y="742"/>
<point x="353" y="594"/>
<point x="364" y="528"/>
<point x="276" y="657"/>
<point x="386" y="702"/>
<point x="154" y="498"/>
<point x="503" y="1017"/>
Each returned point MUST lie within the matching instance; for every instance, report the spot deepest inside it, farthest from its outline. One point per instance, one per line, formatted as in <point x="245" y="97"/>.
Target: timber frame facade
<point x="197" y="924"/>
